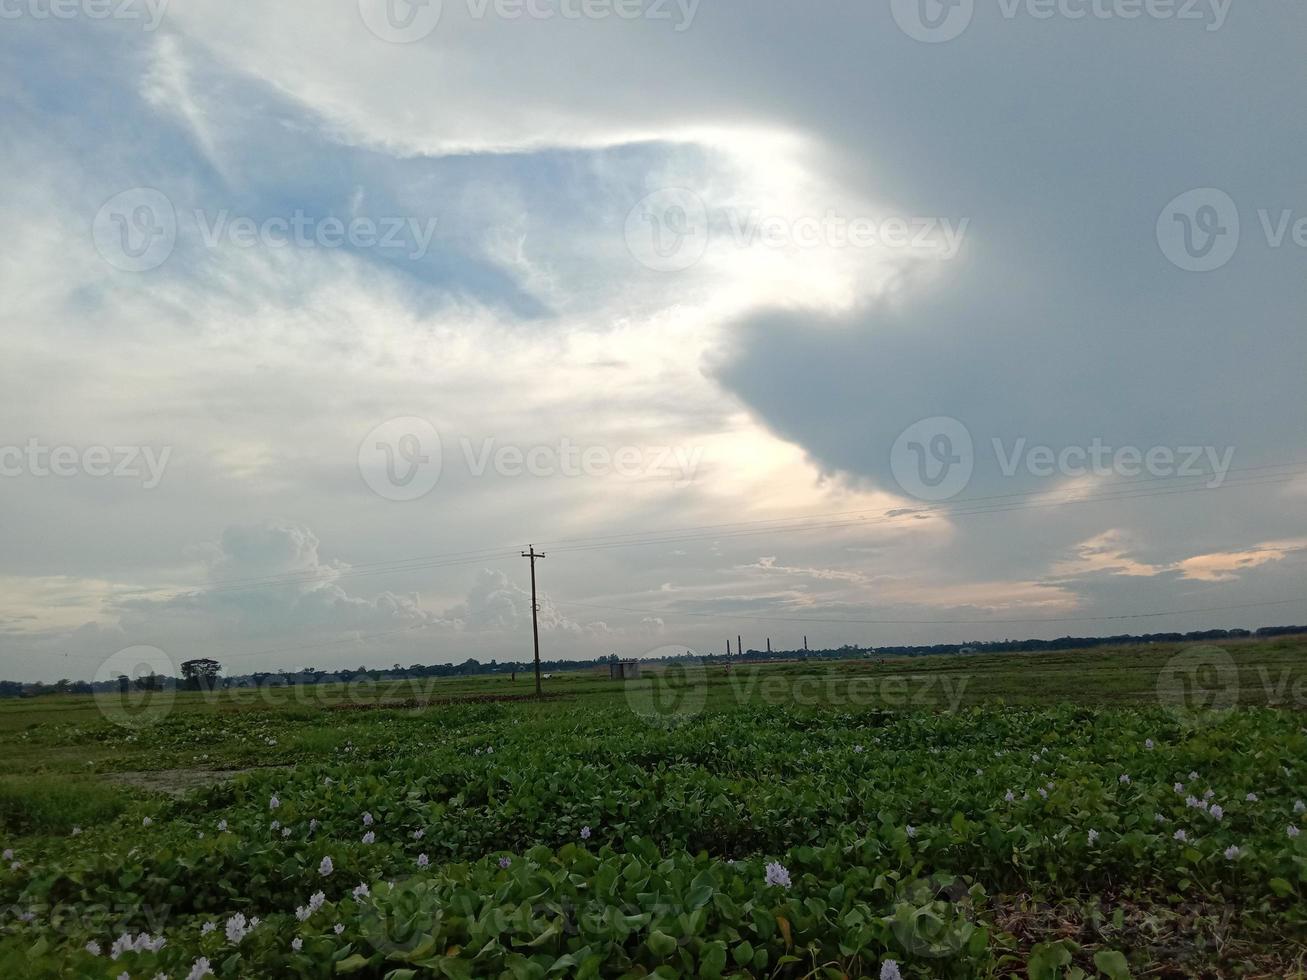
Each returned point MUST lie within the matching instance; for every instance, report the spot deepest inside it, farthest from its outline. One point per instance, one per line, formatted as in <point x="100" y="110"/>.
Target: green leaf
<point x="1112" y="964"/>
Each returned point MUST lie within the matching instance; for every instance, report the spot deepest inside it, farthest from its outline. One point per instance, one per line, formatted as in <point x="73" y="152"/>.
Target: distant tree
<point x="201" y="674"/>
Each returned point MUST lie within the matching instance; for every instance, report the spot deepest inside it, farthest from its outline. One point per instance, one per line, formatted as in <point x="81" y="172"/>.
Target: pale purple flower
<point x="316" y="901"/>
<point x="15" y="866"/>
<point x="207" y="928"/>
<point x="585" y="833"/>
<point x="1299" y="806"/>
<point x="275" y="825"/>
<point x="8" y="854"/>
<point x="297" y="944"/>
<point x="1217" y="812"/>
<point x="274" y="802"/>
<point x="1123" y="779"/>
<point x="236" y="928"/>
<point x="419" y="834"/>
<point x="313" y="824"/>
<point x="1010" y="796"/>
<point x="1158" y="818"/>
<point x="1043" y="793"/>
<point x="146" y="822"/>
<point x="362" y="891"/>
<point x="77" y="831"/>
<point x="1148" y="744"/>
<point x="222" y="826"/>
<point x="285" y="831"/>
<point x="367" y="819"/>
<point x="423" y="861"/>
<point x="302" y="913"/>
<point x="1231" y="853"/>
<point x="199" y="970"/>
<point x="1207" y="795"/>
<point x="369" y="838"/>
<point x="1180" y="835"/>
<point x="777" y="874"/>
<point x="338" y="928"/>
<point x="93" y="948"/>
<point x="1178" y="787"/>
<point x="1093" y="837"/>
<point x="326" y="867"/>
<point x="857" y="748"/>
<point x="911" y="830"/>
<point x="1250" y="798"/>
<point x="1193" y="775"/>
<point x="1293" y="831"/>
<point x="504" y="862"/>
<point x="889" y="970"/>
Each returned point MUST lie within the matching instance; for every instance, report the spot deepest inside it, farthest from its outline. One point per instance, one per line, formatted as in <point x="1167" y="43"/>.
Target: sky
<point x="880" y="322"/>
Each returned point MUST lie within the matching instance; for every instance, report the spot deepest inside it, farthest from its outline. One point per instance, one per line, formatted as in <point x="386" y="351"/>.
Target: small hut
<point x="624" y="670"/>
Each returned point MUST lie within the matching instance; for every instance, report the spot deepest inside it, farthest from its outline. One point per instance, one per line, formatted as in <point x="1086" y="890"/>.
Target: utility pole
<point x="805" y="643"/>
<point x="739" y="645"/>
<point x="535" y="610"/>
<point x="728" y="648"/>
<point x="769" y="644"/>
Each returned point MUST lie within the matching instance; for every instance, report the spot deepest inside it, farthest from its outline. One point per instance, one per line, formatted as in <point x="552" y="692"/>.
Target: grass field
<point x="1109" y="813"/>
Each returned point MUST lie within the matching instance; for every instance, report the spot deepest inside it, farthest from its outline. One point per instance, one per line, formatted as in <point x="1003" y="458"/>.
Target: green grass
<point x="691" y="781"/>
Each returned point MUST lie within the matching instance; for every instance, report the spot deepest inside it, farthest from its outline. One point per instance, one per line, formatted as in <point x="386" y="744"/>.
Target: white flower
<point x="367" y="819"/>
<point x="1010" y="796"/>
<point x="911" y="830"/>
<point x="254" y="923"/>
<point x="585" y="833"/>
<point x="857" y="748"/>
<point x="297" y="944"/>
<point x="1293" y="831"/>
<point x="1043" y="792"/>
<point x="237" y="928"/>
<point x="1209" y="794"/>
<point x="326" y="867"/>
<point x="1180" y="835"/>
<point x="1157" y="817"/>
<point x="1093" y="837"/>
<point x="423" y="860"/>
<point x="222" y="826"/>
<point x="15" y="866"/>
<point x="316" y="901"/>
<point x="1148" y="744"/>
<point x="275" y="825"/>
<point x="313" y="824"/>
<point x="93" y="948"/>
<point x="1231" y="853"/>
<point x="889" y="970"/>
<point x="1251" y="798"/>
<point x="1191" y="801"/>
<point x="1123" y="779"/>
<point x="77" y="831"/>
<point x="285" y="831"/>
<point x="302" y="913"/>
<point x="1299" y="806"/>
<point x="369" y="838"/>
<point x="419" y="834"/>
<point x="1217" y="812"/>
<point x="199" y="970"/>
<point x="338" y="928"/>
<point x="207" y="928"/>
<point x="362" y="891"/>
<point x="274" y="802"/>
<point x="146" y="822"/>
<point x="1193" y="775"/>
<point x="1178" y="787"/>
<point x="8" y="854"/>
<point x="776" y="874"/>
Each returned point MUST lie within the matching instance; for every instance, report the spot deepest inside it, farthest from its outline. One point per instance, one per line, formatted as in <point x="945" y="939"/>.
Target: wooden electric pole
<point x="535" y="610"/>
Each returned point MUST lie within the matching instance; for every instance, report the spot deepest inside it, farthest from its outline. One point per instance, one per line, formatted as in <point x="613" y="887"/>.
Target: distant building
<point x="624" y="670"/>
